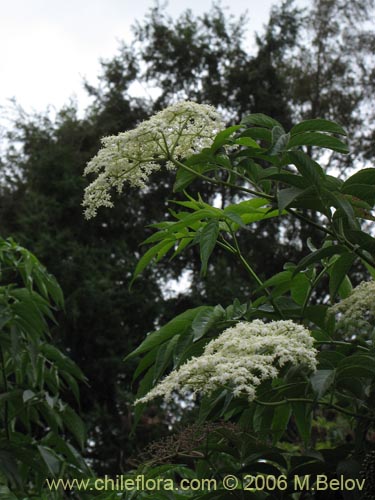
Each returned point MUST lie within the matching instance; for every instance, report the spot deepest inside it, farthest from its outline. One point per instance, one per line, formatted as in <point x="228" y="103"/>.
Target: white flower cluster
<point x="356" y="313"/>
<point x="240" y="359"/>
<point x="174" y="133"/>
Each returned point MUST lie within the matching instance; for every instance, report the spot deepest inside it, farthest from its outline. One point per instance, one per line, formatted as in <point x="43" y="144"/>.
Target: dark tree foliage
<point x="199" y="58"/>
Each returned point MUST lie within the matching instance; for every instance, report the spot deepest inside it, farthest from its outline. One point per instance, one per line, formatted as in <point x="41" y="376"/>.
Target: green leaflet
<point x="318" y="139"/>
<point x="317" y="124"/>
<point x="207" y="242"/>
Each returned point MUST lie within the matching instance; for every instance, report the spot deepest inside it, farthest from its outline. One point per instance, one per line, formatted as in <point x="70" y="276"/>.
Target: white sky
<point x="47" y="47"/>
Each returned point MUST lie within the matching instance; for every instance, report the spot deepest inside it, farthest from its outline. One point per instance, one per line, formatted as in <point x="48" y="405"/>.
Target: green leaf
<point x="184" y="242"/>
<point x="233" y="217"/>
<point x="321" y="381"/>
<point x="339" y="270"/>
<point x="260" y="120"/>
<point x="279" y="141"/>
<point x="364" y="176"/>
<point x="308" y="168"/>
<point x="6" y="494"/>
<point x="178" y="325"/>
<point x="363" y="240"/>
<point x="247" y="141"/>
<point x="223" y="136"/>
<point x="292" y="180"/>
<point x="299" y="288"/>
<point x="320" y="254"/>
<point x="75" y="425"/>
<point x="280" y="421"/>
<point x="317" y="124"/>
<point x="145" y="363"/>
<point x="148" y="256"/>
<point x="188" y="219"/>
<point x="185" y="177"/>
<point x="205" y="319"/>
<point x="365" y="192"/>
<point x="343" y="206"/>
<point x="302" y="415"/>
<point x="258" y="133"/>
<point x="50" y="459"/>
<point x="285" y="197"/>
<point x="246" y="206"/>
<point x="207" y="240"/>
<point x="316" y="314"/>
<point x="163" y="357"/>
<point x="318" y="139"/>
<point x="357" y="365"/>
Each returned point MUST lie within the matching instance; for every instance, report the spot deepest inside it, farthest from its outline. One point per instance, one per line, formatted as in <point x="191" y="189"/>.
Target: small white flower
<point x="356" y="313"/>
<point x="176" y="132"/>
<point x="240" y="359"/>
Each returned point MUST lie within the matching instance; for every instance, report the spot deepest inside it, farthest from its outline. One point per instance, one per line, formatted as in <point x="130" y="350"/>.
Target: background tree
<point x="199" y="58"/>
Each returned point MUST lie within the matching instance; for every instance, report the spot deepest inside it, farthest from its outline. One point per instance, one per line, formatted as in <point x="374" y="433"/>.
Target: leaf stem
<point x="337" y="342"/>
<point x="313" y="401"/>
<point x="219" y="182"/>
<point x="251" y="271"/>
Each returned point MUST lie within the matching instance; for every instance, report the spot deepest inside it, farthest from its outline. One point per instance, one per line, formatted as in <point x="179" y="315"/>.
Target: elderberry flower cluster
<point x="175" y="133"/>
<point x="240" y="359"/>
<point x="356" y="313"/>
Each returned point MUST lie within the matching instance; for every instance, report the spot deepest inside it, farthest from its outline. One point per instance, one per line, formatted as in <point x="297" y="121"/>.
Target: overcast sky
<point x="47" y="47"/>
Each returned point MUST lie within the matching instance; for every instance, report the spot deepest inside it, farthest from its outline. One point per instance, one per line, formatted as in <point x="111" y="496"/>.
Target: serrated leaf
<point x="299" y="288"/>
<point x="317" y="124"/>
<point x="318" y="139"/>
<point x="287" y="196"/>
<point x="302" y="415"/>
<point x="75" y="425"/>
<point x="343" y="206"/>
<point x="357" y="365"/>
<point x="258" y="133"/>
<point x="364" y="192"/>
<point x="185" y="177"/>
<point x="163" y="357"/>
<point x="50" y="459"/>
<point x="292" y="180"/>
<point x="145" y="363"/>
<point x="364" y="176"/>
<point x="184" y="242"/>
<point x="247" y="141"/>
<point x="321" y="381"/>
<point x="308" y="168"/>
<point x="234" y="217"/>
<point x="280" y="421"/>
<point x="148" y="256"/>
<point x="339" y="270"/>
<point x="223" y="137"/>
<point x="364" y="240"/>
<point x="178" y="325"/>
<point x="204" y="321"/>
<point x="207" y="241"/>
<point x="319" y="255"/>
<point x="279" y="141"/>
<point x="260" y="120"/>
<point x="188" y="219"/>
<point x="246" y="206"/>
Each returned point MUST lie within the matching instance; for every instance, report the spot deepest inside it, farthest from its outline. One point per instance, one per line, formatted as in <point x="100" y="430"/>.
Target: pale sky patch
<point x="47" y="47"/>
